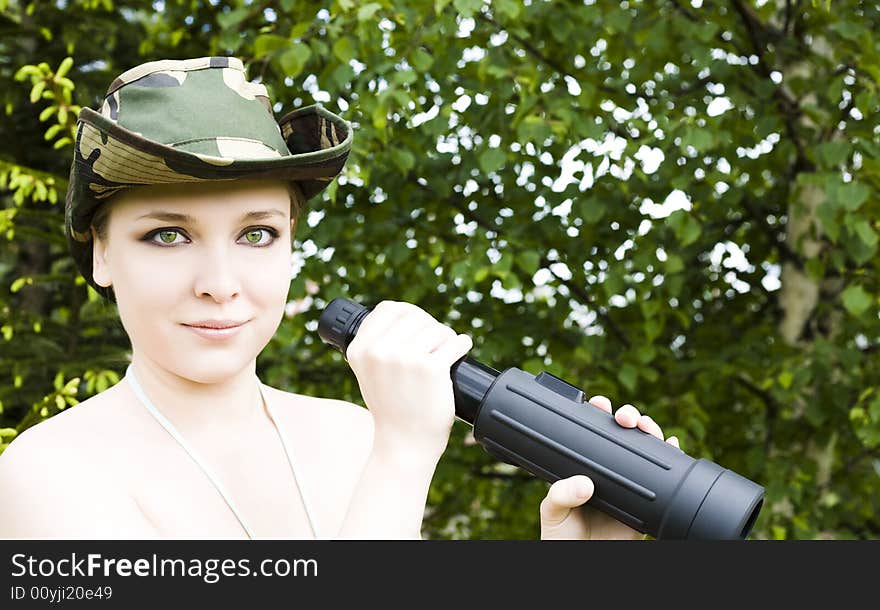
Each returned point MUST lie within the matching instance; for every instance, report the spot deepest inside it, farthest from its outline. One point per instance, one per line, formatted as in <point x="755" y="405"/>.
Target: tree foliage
<point x="673" y="204"/>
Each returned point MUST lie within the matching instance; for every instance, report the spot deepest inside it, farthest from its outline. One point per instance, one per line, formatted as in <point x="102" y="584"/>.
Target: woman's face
<point x="168" y="271"/>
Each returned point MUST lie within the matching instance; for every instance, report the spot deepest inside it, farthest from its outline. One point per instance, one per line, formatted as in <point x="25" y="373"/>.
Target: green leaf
<point x="686" y="227"/>
<point x="294" y="59"/>
<point x="874" y="409"/>
<point x="861" y="242"/>
<point x="828" y="217"/>
<point x="440" y="5"/>
<point x="403" y="159"/>
<point x="616" y="20"/>
<point x="653" y="328"/>
<point x="297" y="31"/>
<point x="785" y="379"/>
<point x="650" y="308"/>
<point x="701" y="139"/>
<point x="503" y="266"/>
<point x="646" y="353"/>
<point x="533" y="128"/>
<point x="403" y="77"/>
<point x="706" y="31"/>
<point x="613" y="284"/>
<point x="511" y="282"/>
<point x="52" y="132"/>
<point x="832" y="154"/>
<point x="852" y="195"/>
<point x="65" y="66"/>
<point x="267" y="44"/>
<point x="815" y="268"/>
<point x="509" y="8"/>
<point x="460" y="269"/>
<point x="848" y="29"/>
<point x="856" y="300"/>
<point x="421" y="60"/>
<point x="380" y="115"/>
<point x="344" y="50"/>
<point x="37" y="91"/>
<point x="628" y="376"/>
<point x="367" y="11"/>
<point x="866" y="233"/>
<point x="228" y="20"/>
<point x="342" y="75"/>
<point x="674" y="264"/>
<point x="591" y="209"/>
<point x="492" y="159"/>
<point x="529" y="261"/>
<point x="467" y="8"/>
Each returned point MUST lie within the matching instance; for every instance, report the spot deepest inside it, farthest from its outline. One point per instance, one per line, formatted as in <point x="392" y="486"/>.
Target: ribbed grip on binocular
<point x="642" y="481"/>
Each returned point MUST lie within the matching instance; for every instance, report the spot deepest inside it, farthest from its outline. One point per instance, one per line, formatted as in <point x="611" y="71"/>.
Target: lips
<point x="221" y="331"/>
<point x="215" y="324"/>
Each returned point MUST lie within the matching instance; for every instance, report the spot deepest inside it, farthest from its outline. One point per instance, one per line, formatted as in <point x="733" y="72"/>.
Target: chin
<point x="210" y="370"/>
<point x="210" y="363"/>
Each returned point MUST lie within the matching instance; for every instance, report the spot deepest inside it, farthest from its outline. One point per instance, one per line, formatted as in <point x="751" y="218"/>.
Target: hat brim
<point x="318" y="142"/>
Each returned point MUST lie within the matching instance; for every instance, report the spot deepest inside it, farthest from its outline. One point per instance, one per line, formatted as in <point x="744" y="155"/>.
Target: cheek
<point x="269" y="282"/>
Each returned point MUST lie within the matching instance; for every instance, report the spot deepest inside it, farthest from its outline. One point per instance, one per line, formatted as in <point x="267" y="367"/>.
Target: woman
<point x="183" y="200"/>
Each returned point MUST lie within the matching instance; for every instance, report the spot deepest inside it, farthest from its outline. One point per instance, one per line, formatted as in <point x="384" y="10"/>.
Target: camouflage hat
<point x="192" y="120"/>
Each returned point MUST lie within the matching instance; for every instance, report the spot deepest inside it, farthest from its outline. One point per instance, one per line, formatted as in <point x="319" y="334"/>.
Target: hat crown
<point x="204" y="106"/>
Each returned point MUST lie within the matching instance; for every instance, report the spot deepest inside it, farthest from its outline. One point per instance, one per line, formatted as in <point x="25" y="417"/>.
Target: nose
<point x="217" y="274"/>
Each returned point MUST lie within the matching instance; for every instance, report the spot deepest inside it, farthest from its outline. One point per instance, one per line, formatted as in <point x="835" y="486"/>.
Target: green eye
<point x="254" y="236"/>
<point x="162" y="235"/>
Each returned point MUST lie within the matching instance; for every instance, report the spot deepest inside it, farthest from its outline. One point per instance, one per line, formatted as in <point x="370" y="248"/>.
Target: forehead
<point x="231" y="198"/>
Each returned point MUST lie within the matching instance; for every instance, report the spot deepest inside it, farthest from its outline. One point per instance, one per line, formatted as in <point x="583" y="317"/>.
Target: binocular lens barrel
<point x="540" y="423"/>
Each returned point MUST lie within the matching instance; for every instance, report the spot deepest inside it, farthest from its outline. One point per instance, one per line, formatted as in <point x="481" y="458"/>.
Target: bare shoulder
<point x="55" y="448"/>
<point x="49" y="443"/>
<point x="44" y="468"/>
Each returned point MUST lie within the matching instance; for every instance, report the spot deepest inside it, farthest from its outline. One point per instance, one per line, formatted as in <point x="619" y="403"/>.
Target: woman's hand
<point x="401" y="356"/>
<point x="563" y="516"/>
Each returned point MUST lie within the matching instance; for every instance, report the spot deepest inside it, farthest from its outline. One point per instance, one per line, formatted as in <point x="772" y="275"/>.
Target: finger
<point x="673" y="440"/>
<point x="428" y="338"/>
<point x="374" y="325"/>
<point x="392" y="322"/>
<point x="564" y="495"/>
<point x="452" y="350"/>
<point x="648" y="425"/>
<point x="627" y="416"/>
<point x="602" y="402"/>
<point x="407" y="325"/>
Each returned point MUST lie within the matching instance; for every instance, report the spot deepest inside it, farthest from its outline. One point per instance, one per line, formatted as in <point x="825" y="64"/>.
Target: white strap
<point x="129" y="374"/>
<point x="292" y="462"/>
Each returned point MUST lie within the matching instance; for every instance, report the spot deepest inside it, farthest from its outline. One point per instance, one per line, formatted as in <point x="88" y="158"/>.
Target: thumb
<point x="564" y="495"/>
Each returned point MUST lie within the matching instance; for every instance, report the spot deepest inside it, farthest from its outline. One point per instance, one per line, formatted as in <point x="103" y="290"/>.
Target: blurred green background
<point x="670" y="203"/>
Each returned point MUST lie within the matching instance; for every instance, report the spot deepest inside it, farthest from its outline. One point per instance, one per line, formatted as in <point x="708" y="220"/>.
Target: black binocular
<point x="539" y="423"/>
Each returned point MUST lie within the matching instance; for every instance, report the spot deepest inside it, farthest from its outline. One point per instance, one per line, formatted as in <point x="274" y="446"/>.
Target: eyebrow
<point x="177" y="217"/>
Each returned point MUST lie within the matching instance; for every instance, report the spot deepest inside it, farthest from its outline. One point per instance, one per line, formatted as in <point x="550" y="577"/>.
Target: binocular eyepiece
<point x="540" y="423"/>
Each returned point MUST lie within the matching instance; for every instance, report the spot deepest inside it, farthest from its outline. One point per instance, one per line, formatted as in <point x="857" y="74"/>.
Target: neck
<point x="201" y="407"/>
